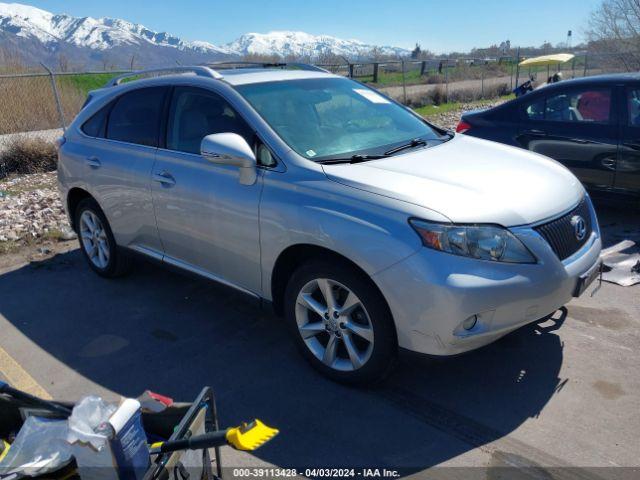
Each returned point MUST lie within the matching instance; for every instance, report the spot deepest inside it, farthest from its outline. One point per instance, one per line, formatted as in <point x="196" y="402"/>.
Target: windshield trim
<point x="442" y="134"/>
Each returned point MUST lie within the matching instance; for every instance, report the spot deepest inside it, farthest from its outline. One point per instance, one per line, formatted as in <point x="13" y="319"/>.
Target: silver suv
<point x="368" y="228"/>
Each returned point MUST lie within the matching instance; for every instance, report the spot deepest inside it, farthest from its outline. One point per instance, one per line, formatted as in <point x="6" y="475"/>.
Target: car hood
<point x="469" y="180"/>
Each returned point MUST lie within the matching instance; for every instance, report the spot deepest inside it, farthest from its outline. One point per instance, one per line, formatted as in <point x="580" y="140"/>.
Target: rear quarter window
<point x="135" y="116"/>
<point x="96" y="125"/>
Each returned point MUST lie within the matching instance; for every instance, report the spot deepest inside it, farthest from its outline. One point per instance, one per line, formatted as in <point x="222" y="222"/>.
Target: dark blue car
<point x="591" y="125"/>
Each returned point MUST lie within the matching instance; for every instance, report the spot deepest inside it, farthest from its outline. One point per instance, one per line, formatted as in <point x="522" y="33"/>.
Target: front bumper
<point x="431" y="293"/>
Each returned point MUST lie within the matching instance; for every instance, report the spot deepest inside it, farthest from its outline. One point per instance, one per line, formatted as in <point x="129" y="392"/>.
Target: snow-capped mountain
<point x="88" y="42"/>
<point x="301" y="44"/>
<point x="95" y="33"/>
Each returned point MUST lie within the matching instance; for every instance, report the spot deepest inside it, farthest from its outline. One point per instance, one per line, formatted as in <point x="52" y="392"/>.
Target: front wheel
<point x="341" y="322"/>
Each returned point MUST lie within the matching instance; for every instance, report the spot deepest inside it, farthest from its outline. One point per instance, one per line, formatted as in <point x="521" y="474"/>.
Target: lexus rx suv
<point x="367" y="228"/>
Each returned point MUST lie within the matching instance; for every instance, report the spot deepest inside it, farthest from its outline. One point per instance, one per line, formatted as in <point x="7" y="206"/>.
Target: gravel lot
<point x="450" y="119"/>
<point x="31" y="211"/>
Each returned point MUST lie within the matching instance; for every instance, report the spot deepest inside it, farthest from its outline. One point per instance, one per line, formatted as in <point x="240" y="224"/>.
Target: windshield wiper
<point x="352" y="159"/>
<point x="416" y="142"/>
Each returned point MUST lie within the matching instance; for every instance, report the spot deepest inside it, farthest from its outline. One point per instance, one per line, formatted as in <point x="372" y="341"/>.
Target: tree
<point x="614" y="27"/>
<point x="416" y="52"/>
<point x="63" y="63"/>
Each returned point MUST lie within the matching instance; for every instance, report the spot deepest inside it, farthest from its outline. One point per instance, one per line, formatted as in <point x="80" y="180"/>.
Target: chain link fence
<point x="43" y="101"/>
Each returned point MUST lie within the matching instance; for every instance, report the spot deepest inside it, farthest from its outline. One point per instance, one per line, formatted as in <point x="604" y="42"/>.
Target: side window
<point x="135" y="117"/>
<point x="633" y="106"/>
<point x="586" y="106"/>
<point x="196" y="113"/>
<point x="96" y="125"/>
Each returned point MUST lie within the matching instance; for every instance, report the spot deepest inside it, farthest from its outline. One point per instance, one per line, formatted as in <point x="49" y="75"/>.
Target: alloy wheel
<point x="94" y="239"/>
<point x="334" y="324"/>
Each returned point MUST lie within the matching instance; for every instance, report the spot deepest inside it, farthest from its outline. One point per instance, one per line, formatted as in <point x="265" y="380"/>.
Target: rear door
<point x="628" y="168"/>
<point x="576" y="126"/>
<point x="124" y="139"/>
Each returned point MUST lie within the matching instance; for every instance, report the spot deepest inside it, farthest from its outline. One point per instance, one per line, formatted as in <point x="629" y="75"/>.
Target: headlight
<point x="484" y="242"/>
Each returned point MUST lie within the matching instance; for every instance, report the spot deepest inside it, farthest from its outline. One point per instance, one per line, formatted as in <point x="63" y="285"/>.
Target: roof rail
<point x="199" y="70"/>
<point x="242" y="64"/>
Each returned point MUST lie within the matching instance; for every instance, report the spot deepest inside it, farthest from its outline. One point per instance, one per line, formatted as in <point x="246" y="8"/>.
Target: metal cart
<point x="180" y="421"/>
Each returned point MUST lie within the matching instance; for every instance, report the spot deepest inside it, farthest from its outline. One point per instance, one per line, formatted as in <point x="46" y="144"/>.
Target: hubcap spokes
<point x="334" y="324"/>
<point x="94" y="239"/>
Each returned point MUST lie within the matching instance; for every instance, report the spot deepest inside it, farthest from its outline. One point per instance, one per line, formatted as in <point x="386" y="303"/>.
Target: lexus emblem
<point x="579" y="227"/>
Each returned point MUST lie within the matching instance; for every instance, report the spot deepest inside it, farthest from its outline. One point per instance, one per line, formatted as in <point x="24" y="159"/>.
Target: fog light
<point x="470" y="322"/>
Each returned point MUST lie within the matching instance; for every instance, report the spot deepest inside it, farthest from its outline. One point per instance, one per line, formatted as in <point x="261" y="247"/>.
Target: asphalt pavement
<point x="545" y="399"/>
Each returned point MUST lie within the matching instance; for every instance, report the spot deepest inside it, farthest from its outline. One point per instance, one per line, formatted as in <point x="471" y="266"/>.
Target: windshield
<point x="334" y="117"/>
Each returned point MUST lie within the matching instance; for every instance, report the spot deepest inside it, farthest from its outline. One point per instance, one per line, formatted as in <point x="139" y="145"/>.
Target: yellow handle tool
<point x="248" y="436"/>
<point x="4" y="449"/>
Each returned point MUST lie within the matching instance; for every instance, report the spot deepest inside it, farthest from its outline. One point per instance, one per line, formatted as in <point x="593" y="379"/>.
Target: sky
<point x="440" y="26"/>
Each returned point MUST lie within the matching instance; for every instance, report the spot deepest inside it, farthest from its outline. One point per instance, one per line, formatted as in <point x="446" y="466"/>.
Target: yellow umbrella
<point x="547" y="60"/>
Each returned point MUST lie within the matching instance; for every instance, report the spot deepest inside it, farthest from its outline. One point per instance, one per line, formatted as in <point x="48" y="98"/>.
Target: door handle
<point x="93" y="162"/>
<point x="609" y="163"/>
<point x="535" y="132"/>
<point x="164" y="178"/>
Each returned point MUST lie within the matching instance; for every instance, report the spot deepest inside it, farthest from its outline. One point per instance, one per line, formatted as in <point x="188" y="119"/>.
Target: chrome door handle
<point x="93" y="162"/>
<point x="164" y="178"/>
<point x="609" y="163"/>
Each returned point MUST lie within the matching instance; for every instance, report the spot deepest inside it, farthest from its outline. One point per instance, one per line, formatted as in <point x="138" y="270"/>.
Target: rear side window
<point x="135" y="117"/>
<point x="585" y="106"/>
<point x="96" y="125"/>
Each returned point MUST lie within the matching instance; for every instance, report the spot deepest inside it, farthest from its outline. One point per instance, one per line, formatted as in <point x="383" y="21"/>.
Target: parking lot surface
<point x="548" y="397"/>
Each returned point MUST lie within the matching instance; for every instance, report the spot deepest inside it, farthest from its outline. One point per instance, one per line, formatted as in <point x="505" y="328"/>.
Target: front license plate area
<point x="587" y="279"/>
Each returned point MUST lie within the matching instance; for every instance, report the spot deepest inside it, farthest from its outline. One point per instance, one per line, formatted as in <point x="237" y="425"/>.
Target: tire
<point x="98" y="246"/>
<point x="330" y="340"/>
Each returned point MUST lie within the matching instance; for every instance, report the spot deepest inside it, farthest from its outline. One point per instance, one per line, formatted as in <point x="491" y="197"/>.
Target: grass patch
<point x="84" y="82"/>
<point x="53" y="234"/>
<point x="432" y="75"/>
<point x="431" y="110"/>
<point x="9" y="246"/>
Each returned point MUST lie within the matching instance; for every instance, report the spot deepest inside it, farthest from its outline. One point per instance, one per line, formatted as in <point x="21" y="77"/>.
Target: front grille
<point x="560" y="233"/>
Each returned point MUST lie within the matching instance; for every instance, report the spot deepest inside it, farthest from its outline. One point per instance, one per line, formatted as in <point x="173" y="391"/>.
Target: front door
<point x="207" y="220"/>
<point x="628" y="171"/>
<point x="578" y="128"/>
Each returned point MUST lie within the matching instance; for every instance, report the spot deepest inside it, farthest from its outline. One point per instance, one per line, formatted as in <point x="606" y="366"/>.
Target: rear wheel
<point x="341" y="322"/>
<point x="97" y="243"/>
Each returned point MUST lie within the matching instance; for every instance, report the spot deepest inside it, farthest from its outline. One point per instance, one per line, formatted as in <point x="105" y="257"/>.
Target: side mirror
<point x="231" y="149"/>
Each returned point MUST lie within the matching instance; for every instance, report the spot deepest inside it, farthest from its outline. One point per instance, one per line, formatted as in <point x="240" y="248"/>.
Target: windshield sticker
<point x="311" y="153"/>
<point x="371" y="95"/>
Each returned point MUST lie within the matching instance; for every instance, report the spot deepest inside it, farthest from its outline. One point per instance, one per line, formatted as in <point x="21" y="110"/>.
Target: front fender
<point x="368" y="229"/>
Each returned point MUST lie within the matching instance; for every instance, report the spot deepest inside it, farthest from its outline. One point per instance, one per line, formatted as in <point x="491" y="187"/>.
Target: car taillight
<point x="462" y="127"/>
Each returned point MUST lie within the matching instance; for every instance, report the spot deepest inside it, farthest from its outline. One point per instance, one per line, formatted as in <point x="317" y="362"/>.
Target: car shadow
<point x="618" y="222"/>
<point x="173" y="334"/>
